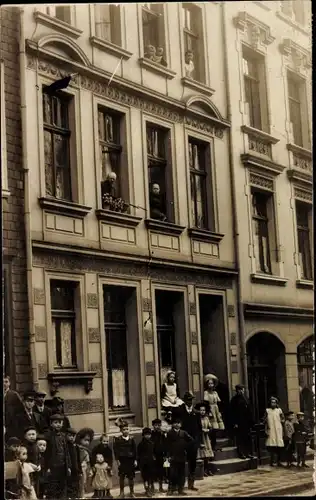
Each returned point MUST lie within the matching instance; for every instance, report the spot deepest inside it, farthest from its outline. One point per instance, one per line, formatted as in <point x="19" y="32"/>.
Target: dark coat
<point x="22" y="421"/>
<point x="32" y="452"/>
<point x="50" y="453"/>
<point x="104" y="450"/>
<point x="160" y="444"/>
<point x="300" y="433"/>
<point x="145" y="453"/>
<point x="13" y="406"/>
<point x="124" y="449"/>
<point x="240" y="412"/>
<point x="74" y="455"/>
<point x="45" y="417"/>
<point x="191" y="423"/>
<point x="177" y="445"/>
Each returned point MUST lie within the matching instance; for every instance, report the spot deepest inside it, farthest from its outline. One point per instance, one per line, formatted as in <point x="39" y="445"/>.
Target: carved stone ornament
<point x="298" y="58"/>
<point x="194" y="338"/>
<point x="81" y="406"/>
<point x="92" y="300"/>
<point x="69" y="378"/>
<point x="195" y="367"/>
<point x="94" y="335"/>
<point x="97" y="368"/>
<point x="262" y="182"/>
<point x="231" y="311"/>
<point x="192" y="308"/>
<point x="259" y="146"/>
<point x="129" y="98"/>
<point x="39" y="296"/>
<point x="233" y="338"/>
<point x="303" y="195"/>
<point x="40" y="334"/>
<point x="152" y="400"/>
<point x="302" y="162"/>
<point x="150" y="368"/>
<point x="147" y="307"/>
<point x="256" y="31"/>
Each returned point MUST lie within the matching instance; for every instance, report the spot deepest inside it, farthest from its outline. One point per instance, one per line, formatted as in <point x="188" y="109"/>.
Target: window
<point x="294" y="9"/>
<point x="165" y="332"/>
<point x="108" y="23"/>
<point x="303" y="216"/>
<point x="306" y="367"/>
<point x="193" y="42"/>
<point x="260" y="222"/>
<point x="57" y="135"/>
<point x="252" y="90"/>
<point x="61" y="13"/>
<point x="200" y="182"/>
<point x="154" y="33"/>
<point x="115" y="325"/>
<point x="4" y="172"/>
<point x="295" y="107"/>
<point x="159" y="173"/>
<point x="64" y="323"/>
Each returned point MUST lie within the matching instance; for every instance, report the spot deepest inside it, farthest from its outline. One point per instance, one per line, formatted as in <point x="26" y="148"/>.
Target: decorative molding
<point x="81" y="406"/>
<point x="42" y="370"/>
<point x="300" y="177"/>
<point x="259" y="141"/>
<point x="61" y="207"/>
<point x="156" y="68"/>
<point x="260" y="181"/>
<point x="56" y="379"/>
<point x="234" y="366"/>
<point x="192" y="308"/>
<point x="151" y="400"/>
<point x="231" y="311"/>
<point x="53" y="22"/>
<point x="97" y="368"/>
<point x="109" y="47"/>
<point x="118" y="218"/>
<point x="267" y="279"/>
<point x="299" y="58"/>
<point x="148" y="336"/>
<point x="257" y="31"/>
<point x="303" y="195"/>
<point x="40" y="333"/>
<point x="146" y="305"/>
<point x="307" y="284"/>
<point x="121" y="90"/>
<point x="92" y="301"/>
<point x="39" y="296"/>
<point x="266" y="166"/>
<point x="268" y="310"/>
<point x="194" y="338"/>
<point x="204" y="235"/>
<point x="94" y="335"/>
<point x="195" y="367"/>
<point x="233" y="338"/>
<point x="198" y="86"/>
<point x="164" y="227"/>
<point x="150" y="368"/>
<point x="302" y="158"/>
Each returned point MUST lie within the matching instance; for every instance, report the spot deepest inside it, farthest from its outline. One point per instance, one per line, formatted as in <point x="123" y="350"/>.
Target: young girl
<point x="170" y="393"/>
<point x="100" y="477"/>
<point x="26" y="468"/>
<point x="104" y="448"/>
<point x="211" y="396"/>
<point x="274" y="420"/>
<point x="83" y="440"/>
<point x="205" y="451"/>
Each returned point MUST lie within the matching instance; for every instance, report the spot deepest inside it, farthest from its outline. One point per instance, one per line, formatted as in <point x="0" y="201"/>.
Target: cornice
<point x="300" y="57"/>
<point x="259" y="31"/>
<point x="267" y="166"/>
<point x="121" y="90"/>
<point x="53" y="22"/>
<point x="277" y="311"/>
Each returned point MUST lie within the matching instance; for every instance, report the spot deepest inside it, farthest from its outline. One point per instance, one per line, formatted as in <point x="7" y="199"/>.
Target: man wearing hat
<point x="191" y="423"/>
<point x="41" y="409"/>
<point x="27" y="417"/>
<point x="242" y="421"/>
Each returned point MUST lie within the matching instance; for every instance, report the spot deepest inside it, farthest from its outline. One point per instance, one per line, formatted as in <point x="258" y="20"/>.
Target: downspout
<point x="27" y="210"/>
<point x="241" y="322"/>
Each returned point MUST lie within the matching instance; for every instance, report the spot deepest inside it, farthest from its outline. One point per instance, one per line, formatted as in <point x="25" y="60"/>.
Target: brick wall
<point x="16" y="326"/>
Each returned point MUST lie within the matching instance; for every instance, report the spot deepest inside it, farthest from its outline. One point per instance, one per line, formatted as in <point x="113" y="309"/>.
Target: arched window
<point x="305" y="363"/>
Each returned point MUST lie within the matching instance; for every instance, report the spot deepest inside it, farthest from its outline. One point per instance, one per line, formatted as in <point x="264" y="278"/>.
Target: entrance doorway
<point x="305" y="365"/>
<point x="266" y="372"/>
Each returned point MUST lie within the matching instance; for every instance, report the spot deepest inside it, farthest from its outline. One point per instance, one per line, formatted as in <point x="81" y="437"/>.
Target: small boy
<point x="73" y="480"/>
<point x="125" y="454"/>
<point x="10" y="455"/>
<point x="288" y="437"/>
<point x="41" y="476"/>
<point x="177" y="445"/>
<point x="159" y="439"/>
<point x="29" y="441"/>
<point x="300" y="439"/>
<point x="146" y="461"/>
<point x="104" y="449"/>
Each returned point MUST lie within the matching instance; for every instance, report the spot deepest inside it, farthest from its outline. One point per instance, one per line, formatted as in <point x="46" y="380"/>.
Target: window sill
<point x="53" y="22"/>
<point x="259" y="134"/>
<point x="164" y="227"/>
<point x="61" y="207"/>
<point x="268" y="279"/>
<point x="195" y="85"/>
<point x="69" y="378"/>
<point x="268" y="166"/>
<point x="156" y="68"/>
<point x="110" y="47"/>
<point x="302" y="283"/>
<point x="204" y="235"/>
<point x="118" y="218"/>
<point x="293" y="24"/>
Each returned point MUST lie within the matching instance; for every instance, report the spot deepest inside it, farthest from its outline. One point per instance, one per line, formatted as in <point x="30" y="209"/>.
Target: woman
<point x="170" y="393"/>
<point x="274" y="420"/>
<point x="212" y="397"/>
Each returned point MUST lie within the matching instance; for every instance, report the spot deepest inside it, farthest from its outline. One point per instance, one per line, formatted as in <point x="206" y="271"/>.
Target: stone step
<point x="231" y="465"/>
<point x="226" y="453"/>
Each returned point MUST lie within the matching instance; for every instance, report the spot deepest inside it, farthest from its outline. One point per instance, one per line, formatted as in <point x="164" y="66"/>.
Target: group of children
<point x="296" y="437"/>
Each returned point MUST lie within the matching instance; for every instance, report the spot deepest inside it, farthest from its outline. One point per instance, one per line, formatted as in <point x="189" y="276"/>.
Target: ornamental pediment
<point x="254" y="32"/>
<point x="298" y="58"/>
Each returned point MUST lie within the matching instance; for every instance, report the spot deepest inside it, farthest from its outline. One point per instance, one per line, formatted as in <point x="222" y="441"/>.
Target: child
<point x="104" y="448"/>
<point x="177" y="444"/>
<point x="300" y="439"/>
<point x="57" y="459"/>
<point x="288" y="437"/>
<point x="73" y="480"/>
<point x="27" y="491"/>
<point x="125" y="454"/>
<point x="41" y="476"/>
<point x="11" y="449"/>
<point x="83" y="440"/>
<point x="159" y="440"/>
<point x="146" y="461"/>
<point x="166" y="424"/>
<point x="170" y="393"/>
<point x="205" y="451"/>
<point x="100" y="477"/>
<point x="212" y="397"/>
<point x="30" y="436"/>
<point x="274" y="420"/>
<point x="10" y="455"/>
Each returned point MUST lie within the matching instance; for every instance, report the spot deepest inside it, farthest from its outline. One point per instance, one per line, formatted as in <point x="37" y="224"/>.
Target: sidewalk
<point x="263" y="481"/>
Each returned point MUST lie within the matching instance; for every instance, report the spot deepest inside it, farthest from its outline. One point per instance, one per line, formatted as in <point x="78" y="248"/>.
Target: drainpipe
<point x="241" y="322"/>
<point x="27" y="210"/>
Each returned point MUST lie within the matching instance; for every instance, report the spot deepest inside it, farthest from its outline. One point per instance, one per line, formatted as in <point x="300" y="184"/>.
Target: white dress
<point x="26" y="469"/>
<point x="274" y="427"/>
<point x="213" y="399"/>
<point x="171" y="398"/>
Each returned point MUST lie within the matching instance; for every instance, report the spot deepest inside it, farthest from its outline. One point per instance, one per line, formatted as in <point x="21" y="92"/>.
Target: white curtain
<point x="119" y="389"/>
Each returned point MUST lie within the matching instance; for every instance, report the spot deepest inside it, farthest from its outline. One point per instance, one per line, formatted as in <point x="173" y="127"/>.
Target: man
<point x="42" y="410"/>
<point x="27" y="417"/>
<point x="58" y="407"/>
<point x="12" y="406"/>
<point x="242" y="421"/>
<point x="191" y="424"/>
<point x="177" y="445"/>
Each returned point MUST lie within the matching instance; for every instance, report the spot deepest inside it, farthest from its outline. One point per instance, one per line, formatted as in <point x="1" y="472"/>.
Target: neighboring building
<point x="14" y="277"/>
<point x="121" y="297"/>
<point x="270" y="94"/>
